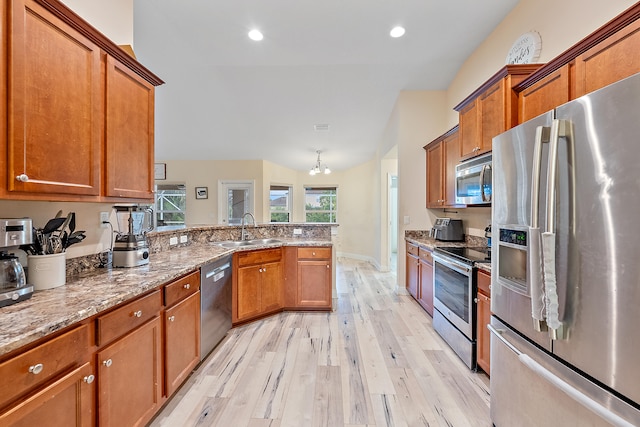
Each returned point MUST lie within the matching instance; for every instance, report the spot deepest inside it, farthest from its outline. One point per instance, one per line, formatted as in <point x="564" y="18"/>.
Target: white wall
<point x="113" y="18"/>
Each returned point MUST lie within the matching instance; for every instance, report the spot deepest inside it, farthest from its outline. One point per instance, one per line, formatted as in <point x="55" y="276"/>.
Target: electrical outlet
<point x="104" y="217"/>
<point x="173" y="241"/>
<point x="297" y="231"/>
<point x="183" y="239"/>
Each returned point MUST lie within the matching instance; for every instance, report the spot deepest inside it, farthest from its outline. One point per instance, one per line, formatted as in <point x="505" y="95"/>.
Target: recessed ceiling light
<point x="397" y="32"/>
<point x="255" y="35"/>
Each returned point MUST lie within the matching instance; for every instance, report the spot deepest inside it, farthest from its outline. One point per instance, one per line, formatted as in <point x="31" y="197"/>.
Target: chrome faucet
<point x="243" y="235"/>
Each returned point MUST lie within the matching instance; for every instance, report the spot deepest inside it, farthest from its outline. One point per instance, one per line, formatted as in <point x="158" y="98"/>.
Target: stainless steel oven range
<point x="454" y="291"/>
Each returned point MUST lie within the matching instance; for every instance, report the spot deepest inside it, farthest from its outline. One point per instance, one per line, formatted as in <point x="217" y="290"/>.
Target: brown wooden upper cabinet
<point x="129" y="122"/>
<point x="607" y="55"/>
<point x="611" y="60"/>
<point x="490" y="110"/>
<point x="79" y="110"/>
<point x="443" y="154"/>
<point x="54" y="117"/>
<point x="545" y="95"/>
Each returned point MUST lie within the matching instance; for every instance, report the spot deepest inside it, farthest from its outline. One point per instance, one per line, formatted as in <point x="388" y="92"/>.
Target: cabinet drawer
<point x="425" y="254"/>
<point x="412" y="249"/>
<point x="181" y="288"/>
<point x="484" y="283"/>
<point x="128" y="317"/>
<point x="259" y="257"/>
<point x="314" y="253"/>
<point x="34" y="367"/>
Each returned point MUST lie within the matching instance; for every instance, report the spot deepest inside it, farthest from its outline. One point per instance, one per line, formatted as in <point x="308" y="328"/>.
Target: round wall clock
<point x="526" y="49"/>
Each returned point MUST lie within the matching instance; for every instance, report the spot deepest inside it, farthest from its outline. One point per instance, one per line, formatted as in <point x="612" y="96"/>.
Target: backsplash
<point x="424" y="234"/>
<point x="161" y="240"/>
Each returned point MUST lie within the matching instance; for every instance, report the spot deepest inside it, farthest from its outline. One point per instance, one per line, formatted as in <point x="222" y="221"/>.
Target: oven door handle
<point x="460" y="268"/>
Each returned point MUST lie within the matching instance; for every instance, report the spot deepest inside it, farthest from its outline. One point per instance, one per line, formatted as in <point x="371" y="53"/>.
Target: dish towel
<point x="537" y="283"/>
<point x="550" y="286"/>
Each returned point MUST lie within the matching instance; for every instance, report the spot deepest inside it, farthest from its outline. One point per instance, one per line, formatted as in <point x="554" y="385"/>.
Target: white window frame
<point x="289" y="202"/>
<point x="332" y="212"/>
<point x="157" y="202"/>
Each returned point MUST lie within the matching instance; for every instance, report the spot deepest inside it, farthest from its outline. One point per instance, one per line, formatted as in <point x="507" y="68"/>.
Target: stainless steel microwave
<point x="473" y="181"/>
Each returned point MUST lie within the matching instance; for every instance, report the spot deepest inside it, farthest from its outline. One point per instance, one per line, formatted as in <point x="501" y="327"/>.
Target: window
<point x="280" y="203"/>
<point x="320" y="204"/>
<point x="171" y="204"/>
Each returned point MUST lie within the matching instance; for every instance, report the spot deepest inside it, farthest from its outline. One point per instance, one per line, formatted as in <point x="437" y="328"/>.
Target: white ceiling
<point x="321" y="62"/>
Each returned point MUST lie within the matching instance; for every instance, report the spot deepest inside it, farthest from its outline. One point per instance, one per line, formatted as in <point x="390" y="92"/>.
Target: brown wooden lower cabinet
<point x="66" y="402"/>
<point x="426" y="282"/>
<point x="130" y="377"/>
<point x="182" y="341"/>
<point x="257" y="284"/>
<point x="483" y="318"/>
<point x="412" y="269"/>
<point x="419" y="272"/>
<point x="308" y="278"/>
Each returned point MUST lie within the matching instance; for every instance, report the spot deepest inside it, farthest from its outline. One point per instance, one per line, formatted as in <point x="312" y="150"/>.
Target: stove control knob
<point x="15" y="296"/>
<point x="145" y="255"/>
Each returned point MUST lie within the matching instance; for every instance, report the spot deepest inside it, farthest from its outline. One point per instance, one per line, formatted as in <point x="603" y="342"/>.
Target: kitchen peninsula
<point x="70" y="337"/>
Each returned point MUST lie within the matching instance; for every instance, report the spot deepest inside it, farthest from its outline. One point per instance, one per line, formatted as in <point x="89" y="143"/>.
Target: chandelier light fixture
<point x="318" y="168"/>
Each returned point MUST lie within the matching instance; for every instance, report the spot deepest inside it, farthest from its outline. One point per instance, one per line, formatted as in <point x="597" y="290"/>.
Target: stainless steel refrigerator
<point x="565" y="342"/>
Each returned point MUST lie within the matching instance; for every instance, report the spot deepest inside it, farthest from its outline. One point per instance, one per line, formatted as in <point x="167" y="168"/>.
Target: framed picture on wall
<point x="202" y="193"/>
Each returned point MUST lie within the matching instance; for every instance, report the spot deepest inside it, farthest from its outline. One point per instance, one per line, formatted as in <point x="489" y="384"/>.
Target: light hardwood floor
<point x="374" y="361"/>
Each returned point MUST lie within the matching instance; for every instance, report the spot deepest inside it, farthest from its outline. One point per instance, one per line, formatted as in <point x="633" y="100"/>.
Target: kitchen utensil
<point x="52" y="225"/>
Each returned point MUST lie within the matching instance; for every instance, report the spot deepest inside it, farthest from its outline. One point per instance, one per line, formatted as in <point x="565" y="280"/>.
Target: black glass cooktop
<point x="468" y="254"/>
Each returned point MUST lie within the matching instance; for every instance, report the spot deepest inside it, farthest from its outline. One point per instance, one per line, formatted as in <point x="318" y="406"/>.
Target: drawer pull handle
<point x="107" y="363"/>
<point x="89" y="379"/>
<point x="186" y="286"/>
<point x="36" y="369"/>
<point x="172" y="318"/>
<point x="313" y="253"/>
<point x="137" y="313"/>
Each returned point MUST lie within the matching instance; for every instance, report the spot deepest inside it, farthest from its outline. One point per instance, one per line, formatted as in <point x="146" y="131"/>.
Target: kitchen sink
<point x="264" y="241"/>
<point x="242" y="243"/>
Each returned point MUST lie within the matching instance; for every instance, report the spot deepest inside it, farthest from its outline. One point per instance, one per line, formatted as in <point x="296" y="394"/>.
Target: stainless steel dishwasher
<point x="215" y="303"/>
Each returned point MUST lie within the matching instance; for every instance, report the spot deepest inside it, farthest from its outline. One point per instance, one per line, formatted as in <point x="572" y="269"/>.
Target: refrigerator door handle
<point x="536" y="289"/>
<point x="558" y="129"/>
<point x="560" y="384"/>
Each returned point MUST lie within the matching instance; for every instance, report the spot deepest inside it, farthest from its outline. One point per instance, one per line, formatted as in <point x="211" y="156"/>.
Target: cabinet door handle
<point x="264" y="269"/>
<point x="186" y="286"/>
<point x="328" y="266"/>
<point x="171" y="318"/>
<point x="36" y="369"/>
<point x="89" y="379"/>
<point x="475" y="300"/>
<point x="137" y="313"/>
<point x="107" y="363"/>
<point x="23" y="177"/>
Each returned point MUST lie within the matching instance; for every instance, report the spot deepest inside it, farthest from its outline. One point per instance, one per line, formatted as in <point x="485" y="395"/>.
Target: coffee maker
<point x="130" y="248"/>
<point x="13" y="282"/>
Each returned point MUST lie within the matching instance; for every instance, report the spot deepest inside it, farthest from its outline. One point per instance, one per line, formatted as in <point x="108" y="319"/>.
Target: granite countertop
<point x="88" y="294"/>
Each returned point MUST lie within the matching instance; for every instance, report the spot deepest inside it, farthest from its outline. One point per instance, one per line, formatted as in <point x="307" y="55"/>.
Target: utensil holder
<point x="46" y="271"/>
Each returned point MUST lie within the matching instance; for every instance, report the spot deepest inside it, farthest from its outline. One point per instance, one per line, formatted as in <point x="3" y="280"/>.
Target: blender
<point x="13" y="283"/>
<point x="130" y="248"/>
